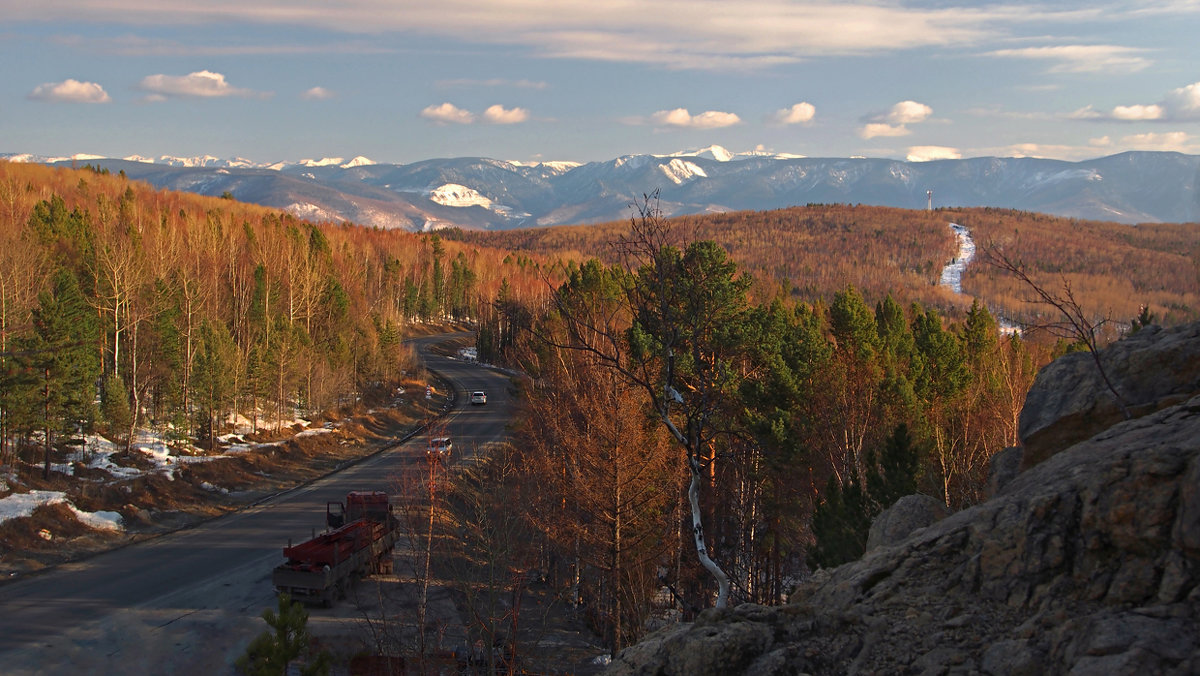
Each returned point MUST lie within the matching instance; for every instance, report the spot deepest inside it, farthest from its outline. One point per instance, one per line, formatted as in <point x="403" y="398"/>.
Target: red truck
<point x="362" y="535"/>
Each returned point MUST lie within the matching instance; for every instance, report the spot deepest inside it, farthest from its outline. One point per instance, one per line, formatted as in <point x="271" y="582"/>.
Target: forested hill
<point x="814" y="251"/>
<point x="182" y="305"/>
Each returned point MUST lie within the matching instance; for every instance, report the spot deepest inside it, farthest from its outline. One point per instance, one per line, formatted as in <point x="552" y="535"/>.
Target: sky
<point x="400" y="81"/>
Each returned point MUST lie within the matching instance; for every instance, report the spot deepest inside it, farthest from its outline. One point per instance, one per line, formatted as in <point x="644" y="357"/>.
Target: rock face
<point x="901" y="519"/>
<point x="1069" y="401"/>
<point x="1087" y="563"/>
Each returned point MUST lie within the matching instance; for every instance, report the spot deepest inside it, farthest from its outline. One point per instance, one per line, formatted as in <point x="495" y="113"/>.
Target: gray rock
<point x="1086" y="563"/>
<point x="900" y="520"/>
<point x="1069" y="401"/>
<point x="1015" y="657"/>
<point x="1002" y="468"/>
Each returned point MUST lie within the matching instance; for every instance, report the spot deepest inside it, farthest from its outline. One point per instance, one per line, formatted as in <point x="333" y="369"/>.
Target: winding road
<point x="190" y="601"/>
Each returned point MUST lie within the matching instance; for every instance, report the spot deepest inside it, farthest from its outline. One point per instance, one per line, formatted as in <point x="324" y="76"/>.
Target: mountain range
<point x="482" y="193"/>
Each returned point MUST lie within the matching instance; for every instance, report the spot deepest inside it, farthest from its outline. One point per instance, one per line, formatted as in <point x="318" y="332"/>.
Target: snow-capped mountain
<point x="494" y="194"/>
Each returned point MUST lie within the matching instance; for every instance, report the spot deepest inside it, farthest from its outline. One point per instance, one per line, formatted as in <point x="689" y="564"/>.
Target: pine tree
<point x="212" y="374"/>
<point x="114" y="404"/>
<point x="62" y="358"/>
<point x="272" y="651"/>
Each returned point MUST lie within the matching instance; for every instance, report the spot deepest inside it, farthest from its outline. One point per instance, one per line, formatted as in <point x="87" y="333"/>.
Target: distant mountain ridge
<point x="484" y="193"/>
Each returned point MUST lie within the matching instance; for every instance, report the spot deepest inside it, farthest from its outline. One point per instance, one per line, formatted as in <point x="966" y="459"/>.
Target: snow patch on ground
<point x="98" y="452"/>
<point x="20" y="505"/>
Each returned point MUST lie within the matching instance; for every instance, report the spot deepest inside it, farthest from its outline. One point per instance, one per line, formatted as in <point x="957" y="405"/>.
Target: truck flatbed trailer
<point x="320" y="570"/>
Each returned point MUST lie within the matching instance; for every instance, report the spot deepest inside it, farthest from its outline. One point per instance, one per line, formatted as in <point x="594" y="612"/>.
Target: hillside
<point x="484" y="193"/>
<point x="812" y="252"/>
<point x="123" y="307"/>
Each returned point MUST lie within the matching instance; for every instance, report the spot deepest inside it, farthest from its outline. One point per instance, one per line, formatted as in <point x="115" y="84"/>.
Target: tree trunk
<point x="46" y="413"/>
<point x="698" y="535"/>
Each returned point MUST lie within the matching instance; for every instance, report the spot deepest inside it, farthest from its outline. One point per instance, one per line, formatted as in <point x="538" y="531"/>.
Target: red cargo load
<point x="333" y="547"/>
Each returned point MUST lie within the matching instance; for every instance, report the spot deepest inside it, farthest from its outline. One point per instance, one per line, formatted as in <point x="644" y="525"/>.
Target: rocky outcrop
<point x="1087" y="563"/>
<point x="1070" y="402"/>
<point x="897" y="522"/>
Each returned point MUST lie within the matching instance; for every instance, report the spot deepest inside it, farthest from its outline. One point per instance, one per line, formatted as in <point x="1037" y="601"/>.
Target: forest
<point x="712" y="405"/>
<point x="814" y="251"/>
<point x="661" y="395"/>
<point x="122" y="306"/>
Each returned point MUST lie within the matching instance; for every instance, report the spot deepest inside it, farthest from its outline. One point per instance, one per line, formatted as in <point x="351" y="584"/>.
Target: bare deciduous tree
<point x="1076" y="324"/>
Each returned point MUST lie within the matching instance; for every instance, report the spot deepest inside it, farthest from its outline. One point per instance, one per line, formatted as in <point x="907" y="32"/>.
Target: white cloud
<point x="448" y="113"/>
<point x="498" y="114"/>
<point x="1083" y="58"/>
<point x="873" y="129"/>
<point x="894" y="122"/>
<point x="200" y="84"/>
<point x="317" y="94"/>
<point x="680" y="117"/>
<point x="1178" y="105"/>
<point x="1183" y="103"/>
<point x="69" y="91"/>
<point x="909" y="112"/>
<point x="930" y="153"/>
<point x="798" y="113"/>
<point x="1176" y="141"/>
<point x="1137" y="112"/>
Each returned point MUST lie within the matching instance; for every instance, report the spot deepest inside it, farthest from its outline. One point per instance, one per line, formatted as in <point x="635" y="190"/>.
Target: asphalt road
<point x="189" y="602"/>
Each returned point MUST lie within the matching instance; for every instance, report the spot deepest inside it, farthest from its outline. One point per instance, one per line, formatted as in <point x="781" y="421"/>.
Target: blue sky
<point x="532" y="80"/>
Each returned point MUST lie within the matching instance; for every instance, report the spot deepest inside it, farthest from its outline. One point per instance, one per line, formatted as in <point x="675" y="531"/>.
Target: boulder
<point x="1003" y="467"/>
<point x="1070" y="402"/>
<point x="900" y="520"/>
<point x="1087" y="563"/>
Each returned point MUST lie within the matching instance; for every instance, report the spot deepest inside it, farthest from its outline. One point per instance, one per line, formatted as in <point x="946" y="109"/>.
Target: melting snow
<point x="20" y="505"/>
<point x="100" y="453"/>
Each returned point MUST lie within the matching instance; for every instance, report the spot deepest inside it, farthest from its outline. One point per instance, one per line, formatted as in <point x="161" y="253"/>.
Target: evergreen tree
<point x="212" y="374"/>
<point x="942" y="372"/>
<point x="842" y="522"/>
<point x="894" y="475"/>
<point x="853" y="324"/>
<point x="840" y="525"/>
<point x="272" y="652"/>
<point x="114" y="402"/>
<point x="62" y="359"/>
